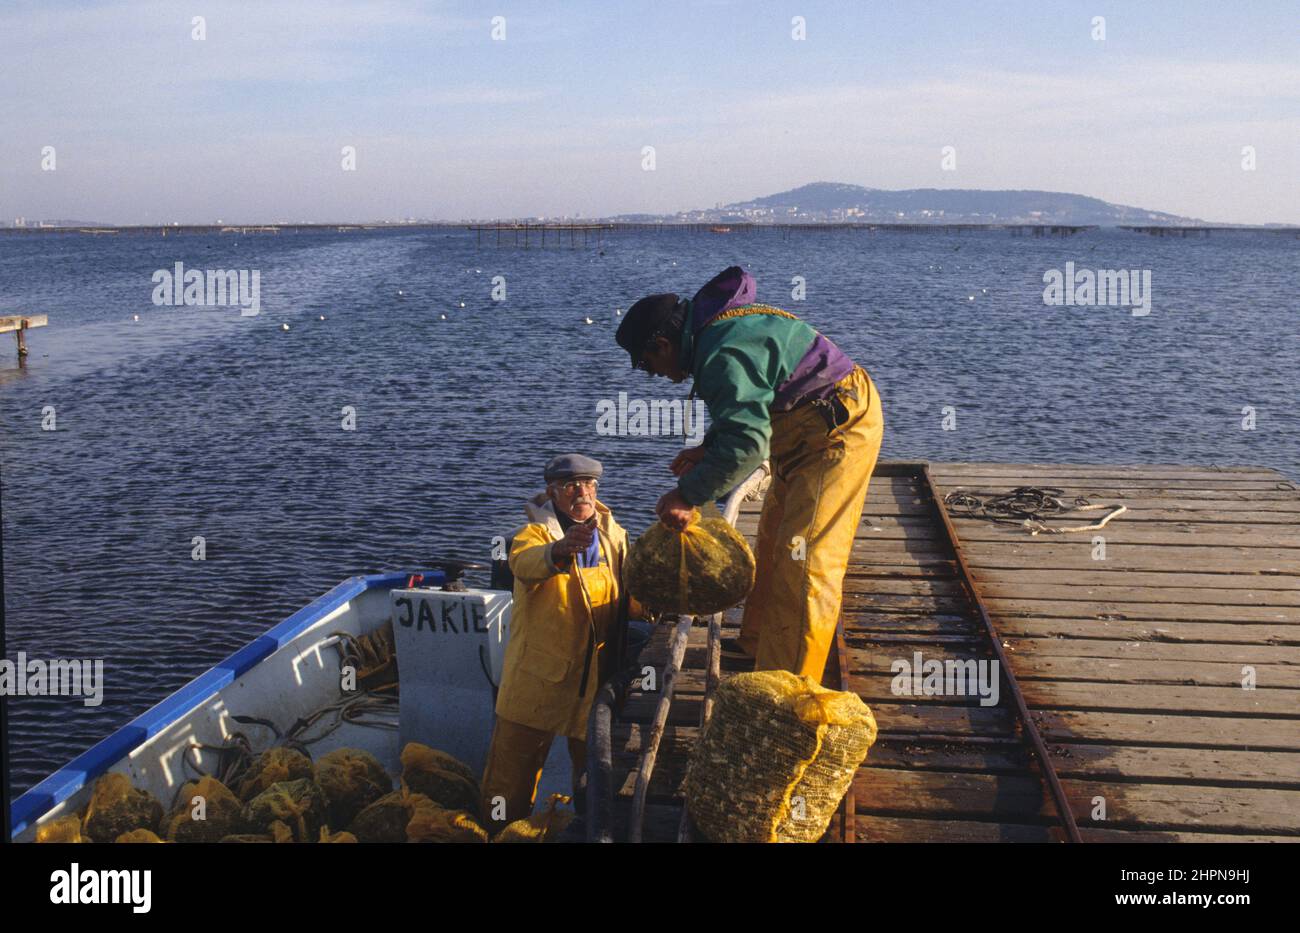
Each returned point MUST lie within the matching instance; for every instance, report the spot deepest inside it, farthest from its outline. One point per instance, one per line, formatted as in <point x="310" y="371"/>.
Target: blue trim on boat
<point x="96" y="760"/>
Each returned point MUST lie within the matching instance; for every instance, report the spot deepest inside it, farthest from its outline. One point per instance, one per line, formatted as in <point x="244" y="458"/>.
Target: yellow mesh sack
<point x="271" y="767"/>
<point x="64" y="829"/>
<point x="706" y="568"/>
<point x="543" y="826"/>
<point x="116" y="807"/>
<point x="776" y="758"/>
<point x="299" y="806"/>
<point x="432" y="823"/>
<point x="138" y="835"/>
<point x="440" y="777"/>
<point x="222" y="813"/>
<point x="352" y="779"/>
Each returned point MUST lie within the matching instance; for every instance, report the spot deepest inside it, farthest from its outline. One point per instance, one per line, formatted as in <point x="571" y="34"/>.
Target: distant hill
<point x="823" y="201"/>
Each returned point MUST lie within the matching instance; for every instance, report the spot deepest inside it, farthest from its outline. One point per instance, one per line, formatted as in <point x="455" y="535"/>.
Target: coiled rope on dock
<point x="1028" y="507"/>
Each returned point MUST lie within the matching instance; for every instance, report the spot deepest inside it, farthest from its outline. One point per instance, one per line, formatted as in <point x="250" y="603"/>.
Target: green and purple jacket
<point x="748" y="362"/>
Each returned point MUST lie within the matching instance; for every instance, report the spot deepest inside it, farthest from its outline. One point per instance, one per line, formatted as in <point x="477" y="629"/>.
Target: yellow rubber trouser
<point x="514" y="768"/>
<point x="805" y="532"/>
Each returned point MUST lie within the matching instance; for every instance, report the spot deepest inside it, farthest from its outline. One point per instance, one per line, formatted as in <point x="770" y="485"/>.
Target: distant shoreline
<point x="543" y="228"/>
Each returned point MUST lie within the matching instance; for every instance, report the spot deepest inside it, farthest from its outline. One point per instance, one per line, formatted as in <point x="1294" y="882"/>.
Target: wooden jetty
<point x="1132" y="648"/>
<point x="20" y="324"/>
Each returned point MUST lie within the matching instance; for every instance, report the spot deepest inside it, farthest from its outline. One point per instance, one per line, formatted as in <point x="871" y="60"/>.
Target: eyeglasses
<point x="573" y="486"/>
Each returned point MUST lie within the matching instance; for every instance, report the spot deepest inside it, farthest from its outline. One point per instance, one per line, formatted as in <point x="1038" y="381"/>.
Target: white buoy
<point x="442" y="317"/>
<point x="478" y="270"/>
<point x="970" y="297"/>
<point x="587" y="320"/>
<point x="462" y="304"/>
<point x="400" y="292"/>
<point x="322" y="317"/>
<point x="135" y="317"/>
<point x="284" y="327"/>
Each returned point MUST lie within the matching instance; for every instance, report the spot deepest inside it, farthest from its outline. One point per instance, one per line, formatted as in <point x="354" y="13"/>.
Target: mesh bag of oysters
<point x="776" y="758"/>
<point x="706" y="568"/>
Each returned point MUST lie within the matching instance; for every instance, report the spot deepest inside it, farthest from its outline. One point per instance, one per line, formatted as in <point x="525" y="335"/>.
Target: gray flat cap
<point x="566" y="466"/>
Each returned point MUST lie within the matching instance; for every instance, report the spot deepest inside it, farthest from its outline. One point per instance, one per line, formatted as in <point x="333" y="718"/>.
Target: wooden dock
<point x="20" y="324"/>
<point x="1130" y="657"/>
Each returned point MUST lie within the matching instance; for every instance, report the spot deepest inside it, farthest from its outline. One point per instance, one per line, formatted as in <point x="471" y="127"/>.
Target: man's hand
<point x="577" y="538"/>
<point x="685" y="461"/>
<point x="673" y="510"/>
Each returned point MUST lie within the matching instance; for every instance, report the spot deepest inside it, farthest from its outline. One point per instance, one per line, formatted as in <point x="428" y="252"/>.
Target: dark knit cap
<point x="655" y="315"/>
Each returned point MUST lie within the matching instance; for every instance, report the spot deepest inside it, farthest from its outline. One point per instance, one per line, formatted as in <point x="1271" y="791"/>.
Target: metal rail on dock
<point x="1030" y="727"/>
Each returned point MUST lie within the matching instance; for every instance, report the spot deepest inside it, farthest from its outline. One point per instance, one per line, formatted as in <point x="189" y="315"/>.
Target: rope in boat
<point x="375" y="708"/>
<point x="1028" y="507"/>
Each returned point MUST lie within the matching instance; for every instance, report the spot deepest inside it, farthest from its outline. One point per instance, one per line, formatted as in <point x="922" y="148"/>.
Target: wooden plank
<point x="1078" y="555"/>
<point x="1040" y="694"/>
<point x="878" y="661"/>
<point x="1163" y="729"/>
<point x="1070" y="591"/>
<point x="1156" y="495"/>
<point x="22" y="322"/>
<point x="1150" y="806"/>
<point x="948" y="482"/>
<point x="1186" y="612"/>
<point x="1233" y="633"/>
<point x="1268" y="702"/>
<point x="1172" y="471"/>
<point x="894" y="829"/>
<point x="990" y="577"/>
<point x="1273" y="655"/>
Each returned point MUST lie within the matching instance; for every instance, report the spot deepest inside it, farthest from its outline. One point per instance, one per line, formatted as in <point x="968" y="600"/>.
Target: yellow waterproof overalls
<point x="811" y="513"/>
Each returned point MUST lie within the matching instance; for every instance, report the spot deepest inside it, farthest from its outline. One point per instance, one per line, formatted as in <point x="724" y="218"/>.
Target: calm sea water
<point x="202" y="422"/>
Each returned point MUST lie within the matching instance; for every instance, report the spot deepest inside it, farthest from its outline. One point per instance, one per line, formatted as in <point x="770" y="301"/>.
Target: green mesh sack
<point x="352" y="780"/>
<point x="221" y="812"/>
<point x="440" y="777"/>
<point x="116" y="807"/>
<point x="298" y="805"/>
<point x="271" y="767"/>
<point x="706" y="568"/>
<point x="775" y="759"/>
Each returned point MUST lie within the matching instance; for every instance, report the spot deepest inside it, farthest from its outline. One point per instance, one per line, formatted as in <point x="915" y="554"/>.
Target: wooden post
<point x="19" y="326"/>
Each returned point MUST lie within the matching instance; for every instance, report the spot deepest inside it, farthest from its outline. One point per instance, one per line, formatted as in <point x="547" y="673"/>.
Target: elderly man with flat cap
<point x="569" y="606"/>
<point x="775" y="388"/>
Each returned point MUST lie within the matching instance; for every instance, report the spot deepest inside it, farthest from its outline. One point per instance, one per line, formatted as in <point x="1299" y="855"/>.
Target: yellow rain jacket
<point x="552" y="623"/>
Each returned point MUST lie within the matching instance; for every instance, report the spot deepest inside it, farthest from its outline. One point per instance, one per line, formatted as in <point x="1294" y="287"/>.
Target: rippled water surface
<point x="202" y="422"/>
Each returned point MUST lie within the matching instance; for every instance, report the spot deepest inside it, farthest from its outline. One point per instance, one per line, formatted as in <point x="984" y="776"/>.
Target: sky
<point x="150" y="125"/>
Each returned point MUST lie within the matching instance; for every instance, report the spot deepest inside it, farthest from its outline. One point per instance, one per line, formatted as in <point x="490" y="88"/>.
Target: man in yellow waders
<point x="568" y="567"/>
<point x="774" y="387"/>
